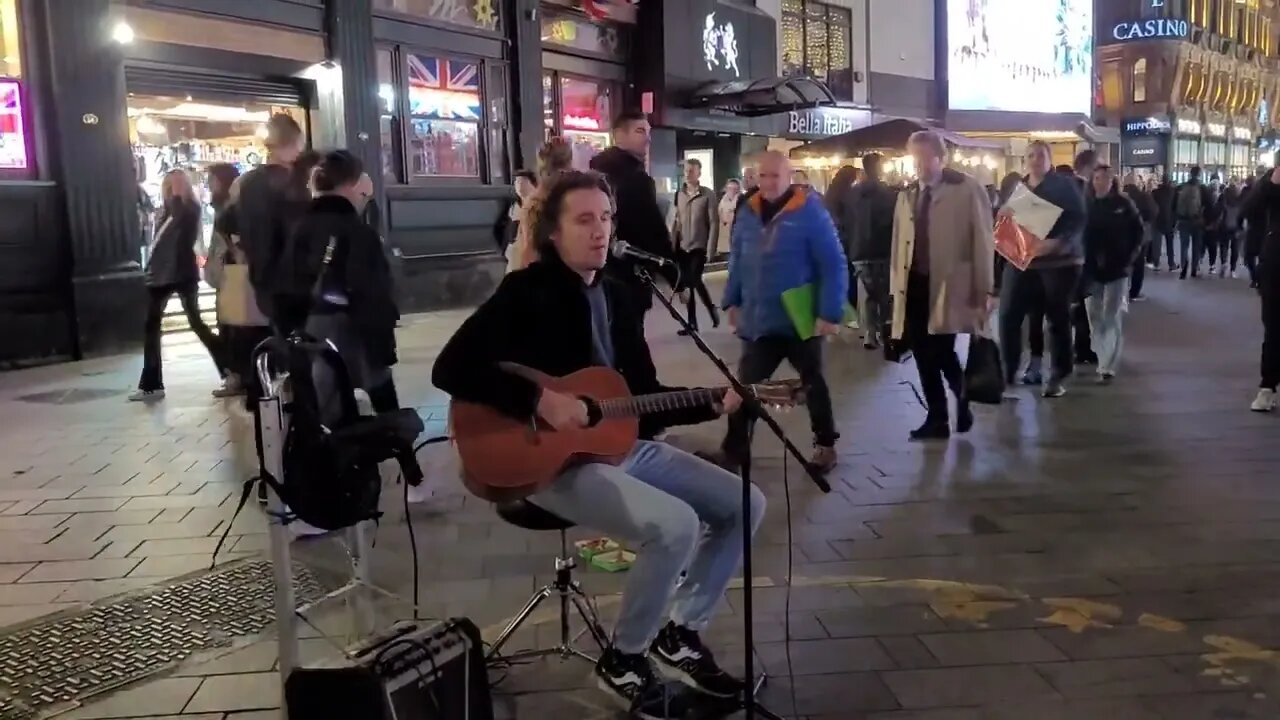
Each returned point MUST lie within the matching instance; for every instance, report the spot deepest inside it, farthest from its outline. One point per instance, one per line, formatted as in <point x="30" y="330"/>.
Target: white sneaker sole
<point x="624" y="704"/>
<point x="684" y="678"/>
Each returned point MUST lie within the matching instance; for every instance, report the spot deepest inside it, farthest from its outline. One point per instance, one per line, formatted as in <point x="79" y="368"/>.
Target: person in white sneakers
<point x="1263" y="203"/>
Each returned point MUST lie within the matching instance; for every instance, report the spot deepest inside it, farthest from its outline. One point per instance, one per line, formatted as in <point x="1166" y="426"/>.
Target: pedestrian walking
<point x="941" y="277"/>
<point x="1113" y="240"/>
<point x="695" y="230"/>
<point x="869" y="217"/>
<point x="1136" y="192"/>
<point x="639" y="220"/>
<point x="1192" y="204"/>
<point x="726" y="210"/>
<point x="1166" y="224"/>
<point x="172" y="270"/>
<point x="1264" y="206"/>
<point x="1082" y="175"/>
<point x="1057" y="271"/>
<point x="224" y="253"/>
<point x="1231" y="234"/>
<point x="554" y="157"/>
<point x="783" y="239"/>
<point x="336" y="261"/>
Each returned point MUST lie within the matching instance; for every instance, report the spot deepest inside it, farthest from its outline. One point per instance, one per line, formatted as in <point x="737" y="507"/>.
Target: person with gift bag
<point x="1113" y="243"/>
<point x="941" y="277"/>
<point x="1056" y="266"/>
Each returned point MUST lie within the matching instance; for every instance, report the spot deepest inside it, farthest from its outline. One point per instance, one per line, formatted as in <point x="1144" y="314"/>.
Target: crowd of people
<point x="294" y="249"/>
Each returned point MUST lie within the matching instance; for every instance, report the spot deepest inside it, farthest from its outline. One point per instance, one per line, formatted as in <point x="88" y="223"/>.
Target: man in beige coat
<point x="941" y="276"/>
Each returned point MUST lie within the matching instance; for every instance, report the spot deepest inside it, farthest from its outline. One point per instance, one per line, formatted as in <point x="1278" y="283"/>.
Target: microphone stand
<point x="756" y="410"/>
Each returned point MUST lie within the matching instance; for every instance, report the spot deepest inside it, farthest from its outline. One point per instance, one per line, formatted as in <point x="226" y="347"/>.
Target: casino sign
<point x="1161" y="28"/>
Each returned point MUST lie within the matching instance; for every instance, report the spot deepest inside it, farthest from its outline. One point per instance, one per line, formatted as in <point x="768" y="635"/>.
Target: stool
<point x="524" y="514"/>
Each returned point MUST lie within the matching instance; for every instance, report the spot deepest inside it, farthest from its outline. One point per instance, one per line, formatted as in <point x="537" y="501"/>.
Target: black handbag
<point x="984" y="373"/>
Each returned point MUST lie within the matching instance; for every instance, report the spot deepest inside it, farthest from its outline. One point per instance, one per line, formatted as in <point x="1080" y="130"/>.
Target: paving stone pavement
<point x="1109" y="554"/>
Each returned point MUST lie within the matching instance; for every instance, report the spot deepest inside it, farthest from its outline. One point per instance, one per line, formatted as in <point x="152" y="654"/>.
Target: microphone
<point x="625" y="251"/>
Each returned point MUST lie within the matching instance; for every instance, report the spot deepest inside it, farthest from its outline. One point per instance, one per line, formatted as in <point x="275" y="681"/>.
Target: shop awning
<point x="890" y="134"/>
<point x="767" y="96"/>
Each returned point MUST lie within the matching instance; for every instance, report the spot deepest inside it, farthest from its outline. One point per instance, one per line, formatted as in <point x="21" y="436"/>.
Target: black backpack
<point x="331" y="452"/>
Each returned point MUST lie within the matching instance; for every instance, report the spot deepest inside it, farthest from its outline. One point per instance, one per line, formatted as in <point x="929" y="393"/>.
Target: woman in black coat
<point x="335" y="261"/>
<point x="1113" y="241"/>
<point x="172" y="270"/>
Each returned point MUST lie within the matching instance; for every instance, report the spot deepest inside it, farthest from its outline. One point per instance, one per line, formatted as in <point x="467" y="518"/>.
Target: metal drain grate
<point x="75" y="657"/>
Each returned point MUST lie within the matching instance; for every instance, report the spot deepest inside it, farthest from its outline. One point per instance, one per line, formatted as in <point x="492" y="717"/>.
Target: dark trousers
<point x="1083" y="333"/>
<point x="1232" y="246"/>
<point x="1191" y="235"/>
<point x="1058" y="286"/>
<point x="1137" y="277"/>
<point x="239" y="342"/>
<point x="1270" y="292"/>
<point x="692" y="265"/>
<point x="158" y="297"/>
<point x="1214" y="248"/>
<point x="1252" y="249"/>
<point x="935" y="355"/>
<point x="760" y="359"/>
<point x="874" y="276"/>
<point x="1153" y="252"/>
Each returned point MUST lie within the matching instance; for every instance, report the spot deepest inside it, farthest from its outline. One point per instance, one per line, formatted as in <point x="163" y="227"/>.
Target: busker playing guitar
<point x="559" y="316"/>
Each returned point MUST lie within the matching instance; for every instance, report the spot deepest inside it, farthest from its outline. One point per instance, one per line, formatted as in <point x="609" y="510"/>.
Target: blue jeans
<point x="678" y="513"/>
<point x="1107" y="307"/>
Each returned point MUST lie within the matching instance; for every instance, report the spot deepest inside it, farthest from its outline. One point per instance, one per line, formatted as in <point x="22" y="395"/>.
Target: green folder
<point x="801" y="304"/>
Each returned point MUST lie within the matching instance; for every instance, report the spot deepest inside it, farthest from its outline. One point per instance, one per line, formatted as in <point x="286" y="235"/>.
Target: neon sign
<point x="1147" y="29"/>
<point x="720" y="45"/>
<point x="13" y="139"/>
<point x="580" y="122"/>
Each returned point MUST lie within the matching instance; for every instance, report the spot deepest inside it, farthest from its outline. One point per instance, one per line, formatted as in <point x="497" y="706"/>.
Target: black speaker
<point x="413" y="672"/>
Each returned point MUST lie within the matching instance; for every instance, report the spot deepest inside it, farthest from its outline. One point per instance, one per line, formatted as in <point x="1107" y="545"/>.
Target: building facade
<point x="1190" y="83"/>
<point x="443" y="99"/>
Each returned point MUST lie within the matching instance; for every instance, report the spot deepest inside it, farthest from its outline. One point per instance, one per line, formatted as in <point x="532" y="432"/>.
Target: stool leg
<point x="589" y="617"/>
<point x="519" y="620"/>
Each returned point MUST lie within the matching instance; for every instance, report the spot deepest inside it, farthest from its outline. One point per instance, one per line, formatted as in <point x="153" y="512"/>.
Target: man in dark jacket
<point x="1082" y="174"/>
<point x="683" y="514"/>
<point x="1263" y="205"/>
<point x="1165" y="225"/>
<point x="1192" y="205"/>
<point x="1146" y="206"/>
<point x="266" y="204"/>
<point x="1113" y="245"/>
<point x="640" y="222"/>
<point x="1057" y="270"/>
<point x="1254" y="214"/>
<point x="867" y="217"/>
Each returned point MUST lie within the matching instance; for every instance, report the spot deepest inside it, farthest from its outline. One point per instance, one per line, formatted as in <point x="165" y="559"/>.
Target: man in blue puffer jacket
<point x="783" y="238"/>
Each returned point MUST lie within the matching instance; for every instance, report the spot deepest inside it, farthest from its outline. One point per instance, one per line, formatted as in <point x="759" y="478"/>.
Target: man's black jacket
<point x="638" y="219"/>
<point x="358" y="270"/>
<point x="539" y="317"/>
<point x="1262" y="209"/>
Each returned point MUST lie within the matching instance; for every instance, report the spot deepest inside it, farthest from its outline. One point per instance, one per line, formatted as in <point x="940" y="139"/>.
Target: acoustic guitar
<point x="506" y="459"/>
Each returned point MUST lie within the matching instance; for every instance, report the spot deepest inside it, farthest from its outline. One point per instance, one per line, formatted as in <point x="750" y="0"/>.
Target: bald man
<point x="783" y="238"/>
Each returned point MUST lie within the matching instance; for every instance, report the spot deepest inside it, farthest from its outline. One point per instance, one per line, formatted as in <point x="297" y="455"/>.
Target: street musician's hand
<point x="730" y="404"/>
<point x="562" y="412"/>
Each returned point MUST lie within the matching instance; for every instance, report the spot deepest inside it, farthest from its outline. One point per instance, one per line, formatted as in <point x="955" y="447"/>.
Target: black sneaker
<point x="630" y="680"/>
<point x="682" y="656"/>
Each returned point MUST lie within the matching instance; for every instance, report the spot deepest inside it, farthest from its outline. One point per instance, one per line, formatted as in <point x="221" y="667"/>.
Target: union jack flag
<point x="445" y="89"/>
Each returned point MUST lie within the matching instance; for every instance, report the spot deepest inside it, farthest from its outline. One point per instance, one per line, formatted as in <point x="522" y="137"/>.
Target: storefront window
<point x="549" y="103"/>
<point x="445" y="110"/>
<point x="584" y="114"/>
<point x="816" y="42"/>
<point x="388" y="116"/>
<point x="1140" y="80"/>
<point x="481" y="14"/>
<point x="575" y="33"/>
<point x="10" y="51"/>
<point x="167" y="133"/>
<point x="13" y="140"/>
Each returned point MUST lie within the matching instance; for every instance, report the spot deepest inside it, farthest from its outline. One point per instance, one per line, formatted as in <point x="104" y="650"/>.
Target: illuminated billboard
<point x="1020" y="55"/>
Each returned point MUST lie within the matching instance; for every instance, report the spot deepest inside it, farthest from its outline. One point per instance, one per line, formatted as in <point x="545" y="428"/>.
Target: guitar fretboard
<point x="659" y="402"/>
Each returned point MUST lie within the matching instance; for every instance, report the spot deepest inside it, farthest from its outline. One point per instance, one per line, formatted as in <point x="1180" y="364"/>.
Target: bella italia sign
<point x="1160" y="29"/>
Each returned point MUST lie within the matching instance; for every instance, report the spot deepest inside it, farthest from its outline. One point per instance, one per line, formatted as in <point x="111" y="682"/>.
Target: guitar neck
<point x="660" y="402"/>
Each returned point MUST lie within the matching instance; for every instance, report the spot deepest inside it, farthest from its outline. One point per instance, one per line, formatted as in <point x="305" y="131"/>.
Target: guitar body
<point x="505" y="459"/>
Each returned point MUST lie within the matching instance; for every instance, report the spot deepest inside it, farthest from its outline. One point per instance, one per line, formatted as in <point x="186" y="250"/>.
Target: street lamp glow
<point x="122" y="33"/>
